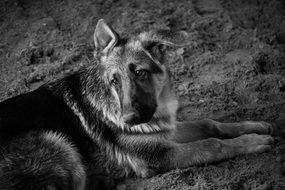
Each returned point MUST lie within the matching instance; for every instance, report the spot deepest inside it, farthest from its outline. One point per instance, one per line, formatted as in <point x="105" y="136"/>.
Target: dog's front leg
<point x="212" y="150"/>
<point x="207" y="128"/>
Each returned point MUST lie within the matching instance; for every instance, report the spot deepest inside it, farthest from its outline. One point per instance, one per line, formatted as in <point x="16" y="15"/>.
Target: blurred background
<point x="233" y="70"/>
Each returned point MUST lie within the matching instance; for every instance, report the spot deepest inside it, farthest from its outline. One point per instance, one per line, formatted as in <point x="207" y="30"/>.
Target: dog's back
<point x="29" y="111"/>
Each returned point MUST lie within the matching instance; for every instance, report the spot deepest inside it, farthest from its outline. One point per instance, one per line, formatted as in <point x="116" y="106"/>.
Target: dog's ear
<point x="154" y="41"/>
<point x="166" y="37"/>
<point x="105" y="38"/>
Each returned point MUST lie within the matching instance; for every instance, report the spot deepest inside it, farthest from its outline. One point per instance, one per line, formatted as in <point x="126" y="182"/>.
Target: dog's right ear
<point x="154" y="41"/>
<point x="165" y="37"/>
<point x="105" y="38"/>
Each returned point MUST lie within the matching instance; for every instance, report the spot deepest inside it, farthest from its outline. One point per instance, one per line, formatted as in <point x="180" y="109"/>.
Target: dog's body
<point x="114" y="118"/>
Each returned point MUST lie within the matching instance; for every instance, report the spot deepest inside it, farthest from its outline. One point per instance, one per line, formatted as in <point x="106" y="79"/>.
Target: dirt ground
<point x="233" y="70"/>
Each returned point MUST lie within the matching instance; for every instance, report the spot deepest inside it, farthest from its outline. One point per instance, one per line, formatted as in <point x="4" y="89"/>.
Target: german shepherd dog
<point x="114" y="118"/>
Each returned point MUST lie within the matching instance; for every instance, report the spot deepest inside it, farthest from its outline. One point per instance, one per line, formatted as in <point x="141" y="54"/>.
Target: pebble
<point x="201" y="101"/>
<point x="181" y="87"/>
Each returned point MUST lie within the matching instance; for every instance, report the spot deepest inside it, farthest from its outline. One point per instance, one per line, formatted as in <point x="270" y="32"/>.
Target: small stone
<point x="180" y="51"/>
<point x="181" y="87"/>
<point x="201" y="101"/>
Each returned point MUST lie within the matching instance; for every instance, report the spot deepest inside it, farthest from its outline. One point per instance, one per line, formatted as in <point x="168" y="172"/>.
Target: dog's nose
<point x="131" y="118"/>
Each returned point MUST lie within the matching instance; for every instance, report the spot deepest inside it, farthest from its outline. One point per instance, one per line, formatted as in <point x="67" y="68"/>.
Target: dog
<point x="112" y="119"/>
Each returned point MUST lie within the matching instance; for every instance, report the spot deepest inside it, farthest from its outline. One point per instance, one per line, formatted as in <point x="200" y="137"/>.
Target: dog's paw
<point x="253" y="143"/>
<point x="259" y="127"/>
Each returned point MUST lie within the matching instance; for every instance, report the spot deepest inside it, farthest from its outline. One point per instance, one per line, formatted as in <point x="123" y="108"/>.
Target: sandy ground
<point x="233" y="70"/>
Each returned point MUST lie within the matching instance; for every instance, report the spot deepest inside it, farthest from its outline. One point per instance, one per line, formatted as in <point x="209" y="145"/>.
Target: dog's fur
<point x="112" y="119"/>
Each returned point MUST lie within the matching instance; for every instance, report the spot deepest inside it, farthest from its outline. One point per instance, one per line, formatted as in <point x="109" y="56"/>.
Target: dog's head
<point x="135" y="76"/>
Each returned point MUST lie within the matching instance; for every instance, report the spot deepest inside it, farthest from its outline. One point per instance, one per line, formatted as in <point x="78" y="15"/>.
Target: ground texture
<point x="233" y="70"/>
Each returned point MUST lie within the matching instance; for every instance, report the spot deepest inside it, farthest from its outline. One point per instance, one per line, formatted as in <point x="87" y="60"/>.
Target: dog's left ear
<point x="153" y="41"/>
<point x="105" y="38"/>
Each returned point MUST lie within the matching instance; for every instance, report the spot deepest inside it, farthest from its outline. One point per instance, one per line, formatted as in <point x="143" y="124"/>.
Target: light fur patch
<point x="74" y="107"/>
<point x="78" y="174"/>
<point x="127" y="161"/>
<point x="135" y="45"/>
<point x="107" y="113"/>
<point x="145" y="128"/>
<point x="169" y="108"/>
<point x="147" y="36"/>
<point x="116" y="96"/>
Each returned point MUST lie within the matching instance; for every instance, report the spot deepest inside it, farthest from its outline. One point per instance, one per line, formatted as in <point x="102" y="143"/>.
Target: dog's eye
<point x="140" y="73"/>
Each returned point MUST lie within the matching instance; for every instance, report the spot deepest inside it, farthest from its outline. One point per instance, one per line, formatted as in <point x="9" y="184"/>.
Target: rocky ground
<point x="233" y="70"/>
